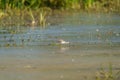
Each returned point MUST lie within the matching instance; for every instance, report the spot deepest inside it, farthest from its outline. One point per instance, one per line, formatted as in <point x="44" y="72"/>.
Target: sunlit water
<point x="28" y="53"/>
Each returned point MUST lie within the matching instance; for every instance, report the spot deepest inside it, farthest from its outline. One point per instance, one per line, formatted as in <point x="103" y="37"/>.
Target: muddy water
<point x="35" y="54"/>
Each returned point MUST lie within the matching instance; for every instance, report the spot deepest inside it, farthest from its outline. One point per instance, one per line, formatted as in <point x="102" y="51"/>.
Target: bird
<point x="61" y="41"/>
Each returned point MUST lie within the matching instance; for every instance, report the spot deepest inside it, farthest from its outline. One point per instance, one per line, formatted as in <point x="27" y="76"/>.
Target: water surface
<point x="28" y="53"/>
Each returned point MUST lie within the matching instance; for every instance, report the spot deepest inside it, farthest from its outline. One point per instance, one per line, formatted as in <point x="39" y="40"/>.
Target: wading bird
<point x="61" y="41"/>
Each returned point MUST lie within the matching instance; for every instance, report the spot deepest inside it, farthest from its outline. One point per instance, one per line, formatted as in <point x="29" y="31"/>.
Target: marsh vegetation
<point x="36" y="12"/>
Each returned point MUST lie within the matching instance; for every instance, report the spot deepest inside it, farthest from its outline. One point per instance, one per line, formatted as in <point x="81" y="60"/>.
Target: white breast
<point x="63" y="42"/>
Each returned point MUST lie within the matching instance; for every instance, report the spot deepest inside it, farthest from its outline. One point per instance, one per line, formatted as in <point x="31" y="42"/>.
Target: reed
<point x="33" y="19"/>
<point x="42" y="19"/>
<point x="22" y="11"/>
<point x="55" y="4"/>
<point x="88" y="3"/>
<point x="2" y="14"/>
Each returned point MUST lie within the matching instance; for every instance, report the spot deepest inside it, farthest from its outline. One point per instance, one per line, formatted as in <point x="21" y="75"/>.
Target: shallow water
<point x="35" y="54"/>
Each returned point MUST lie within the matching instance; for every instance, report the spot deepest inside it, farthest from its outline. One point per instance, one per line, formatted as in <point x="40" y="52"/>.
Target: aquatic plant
<point x="22" y="41"/>
<point x="14" y="44"/>
<point x="7" y="45"/>
<point x="2" y="14"/>
<point x="88" y="3"/>
<point x="31" y="12"/>
<point x="54" y="4"/>
<point x="42" y="19"/>
<point x="32" y="17"/>
<point x="107" y="75"/>
<point x="71" y="4"/>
